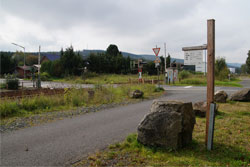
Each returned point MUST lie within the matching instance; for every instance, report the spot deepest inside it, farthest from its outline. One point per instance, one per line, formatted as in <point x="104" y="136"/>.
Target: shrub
<point x="184" y="74"/>
<point x="12" y="82"/>
<point x="8" y="108"/>
<point x="158" y="89"/>
<point x="3" y="86"/>
<point x="45" y="76"/>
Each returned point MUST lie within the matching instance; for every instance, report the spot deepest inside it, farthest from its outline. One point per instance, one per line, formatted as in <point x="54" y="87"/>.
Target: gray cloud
<point x="136" y="25"/>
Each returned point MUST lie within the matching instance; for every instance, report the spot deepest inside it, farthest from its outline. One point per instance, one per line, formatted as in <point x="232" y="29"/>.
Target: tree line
<point x="111" y="61"/>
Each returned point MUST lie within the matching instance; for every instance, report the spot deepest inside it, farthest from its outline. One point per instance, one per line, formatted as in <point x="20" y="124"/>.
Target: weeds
<point x="231" y="145"/>
<point x="72" y="98"/>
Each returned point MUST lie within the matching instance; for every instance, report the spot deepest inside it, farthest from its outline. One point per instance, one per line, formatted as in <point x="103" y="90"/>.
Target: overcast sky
<point x="135" y="26"/>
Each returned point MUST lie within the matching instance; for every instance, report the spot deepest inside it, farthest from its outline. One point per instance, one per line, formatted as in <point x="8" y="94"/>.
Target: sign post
<point x="157" y="61"/>
<point x="211" y="126"/>
<point x="210" y="69"/>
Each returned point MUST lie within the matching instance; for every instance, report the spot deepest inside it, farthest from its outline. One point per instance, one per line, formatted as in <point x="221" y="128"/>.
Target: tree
<point x="168" y="61"/>
<point x="111" y="61"/>
<point x="31" y="60"/>
<point x="248" y="62"/>
<point x="162" y="64"/>
<point x="8" y="64"/>
<point x="221" y="70"/>
<point x="112" y="50"/>
<point x="243" y="69"/>
<point x="150" y="68"/>
<point x="71" y="62"/>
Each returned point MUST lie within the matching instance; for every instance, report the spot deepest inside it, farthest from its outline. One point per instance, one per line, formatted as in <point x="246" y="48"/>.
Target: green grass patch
<point x="73" y="98"/>
<point x="201" y="80"/>
<point x="231" y="145"/>
<point x="105" y="78"/>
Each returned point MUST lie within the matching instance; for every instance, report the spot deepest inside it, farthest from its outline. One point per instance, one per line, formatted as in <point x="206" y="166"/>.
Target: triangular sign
<point x="156" y="51"/>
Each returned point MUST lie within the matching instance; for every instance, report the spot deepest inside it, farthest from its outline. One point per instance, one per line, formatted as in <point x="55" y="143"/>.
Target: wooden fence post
<point x="210" y="68"/>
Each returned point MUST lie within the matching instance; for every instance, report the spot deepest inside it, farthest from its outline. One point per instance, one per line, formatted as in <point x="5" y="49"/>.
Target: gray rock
<point x="220" y="96"/>
<point x="200" y="108"/>
<point x="136" y="94"/>
<point x="169" y="124"/>
<point x="242" y="95"/>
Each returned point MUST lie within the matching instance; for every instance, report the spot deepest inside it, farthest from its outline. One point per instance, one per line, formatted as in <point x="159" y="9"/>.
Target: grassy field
<point x="201" y="80"/>
<point x="196" y="80"/>
<point x="105" y="79"/>
<point x="231" y="145"/>
<point x="73" y="98"/>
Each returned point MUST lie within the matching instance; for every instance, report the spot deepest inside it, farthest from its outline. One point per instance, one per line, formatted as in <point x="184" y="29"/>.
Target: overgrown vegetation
<point x="231" y="145"/>
<point x="73" y="98"/>
<point x="94" y="78"/>
<point x="248" y="62"/>
<point x="12" y="82"/>
<point x="220" y="70"/>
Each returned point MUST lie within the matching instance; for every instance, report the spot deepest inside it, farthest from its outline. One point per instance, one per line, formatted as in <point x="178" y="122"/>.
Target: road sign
<point x="157" y="60"/>
<point x="156" y="51"/>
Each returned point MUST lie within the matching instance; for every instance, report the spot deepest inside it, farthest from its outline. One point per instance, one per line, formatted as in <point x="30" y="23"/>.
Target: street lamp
<point x="23" y="56"/>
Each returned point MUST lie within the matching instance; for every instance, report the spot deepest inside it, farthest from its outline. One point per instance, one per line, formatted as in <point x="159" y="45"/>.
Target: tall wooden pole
<point x="210" y="68"/>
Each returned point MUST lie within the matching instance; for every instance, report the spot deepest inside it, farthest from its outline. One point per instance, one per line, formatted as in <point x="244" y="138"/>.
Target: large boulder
<point x="242" y="95"/>
<point x="136" y="94"/>
<point x="220" y="96"/>
<point x="200" y="108"/>
<point x="169" y="124"/>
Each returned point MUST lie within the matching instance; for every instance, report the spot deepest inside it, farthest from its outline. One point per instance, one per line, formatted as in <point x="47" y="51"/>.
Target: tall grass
<point x="72" y="98"/>
<point x="106" y="79"/>
<point x="231" y="145"/>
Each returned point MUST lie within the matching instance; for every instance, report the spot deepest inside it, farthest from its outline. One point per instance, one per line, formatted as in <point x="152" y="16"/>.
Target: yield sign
<point x="156" y="51"/>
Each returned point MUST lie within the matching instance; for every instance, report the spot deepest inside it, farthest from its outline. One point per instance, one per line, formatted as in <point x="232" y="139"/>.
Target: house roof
<point x="26" y="68"/>
<point x="52" y="57"/>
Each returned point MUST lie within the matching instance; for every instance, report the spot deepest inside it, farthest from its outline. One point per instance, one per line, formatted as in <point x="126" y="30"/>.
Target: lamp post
<point x="23" y="56"/>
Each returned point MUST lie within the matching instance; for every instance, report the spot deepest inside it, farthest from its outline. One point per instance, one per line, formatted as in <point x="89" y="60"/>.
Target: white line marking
<point x="188" y="87"/>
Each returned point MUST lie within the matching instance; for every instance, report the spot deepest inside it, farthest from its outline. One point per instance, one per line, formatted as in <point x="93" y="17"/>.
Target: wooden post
<point x="210" y="68"/>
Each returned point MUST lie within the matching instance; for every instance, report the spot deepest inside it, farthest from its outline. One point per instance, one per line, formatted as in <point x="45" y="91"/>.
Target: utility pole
<point x="39" y="66"/>
<point x="23" y="57"/>
<point x="39" y="59"/>
<point x="165" y="52"/>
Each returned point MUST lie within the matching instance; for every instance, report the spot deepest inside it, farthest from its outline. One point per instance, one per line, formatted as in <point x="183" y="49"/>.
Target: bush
<point x="221" y="71"/>
<point x="3" y="85"/>
<point x="158" y="89"/>
<point x="12" y="82"/>
<point x="8" y="109"/>
<point x="184" y="74"/>
<point x="45" y="76"/>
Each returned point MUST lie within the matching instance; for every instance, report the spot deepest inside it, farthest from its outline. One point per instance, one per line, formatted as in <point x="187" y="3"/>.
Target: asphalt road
<point x="68" y="140"/>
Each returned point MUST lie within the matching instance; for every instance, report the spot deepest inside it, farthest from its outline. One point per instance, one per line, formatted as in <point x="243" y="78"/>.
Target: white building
<point x="232" y="70"/>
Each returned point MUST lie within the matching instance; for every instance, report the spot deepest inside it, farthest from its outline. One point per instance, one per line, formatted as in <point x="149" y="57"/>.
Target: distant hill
<point x="86" y="53"/>
<point x="234" y="65"/>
